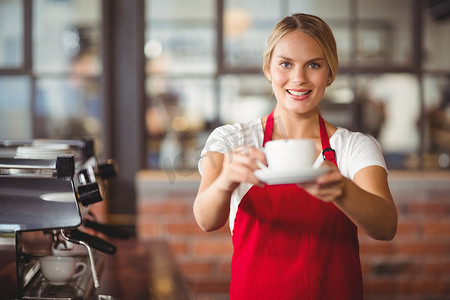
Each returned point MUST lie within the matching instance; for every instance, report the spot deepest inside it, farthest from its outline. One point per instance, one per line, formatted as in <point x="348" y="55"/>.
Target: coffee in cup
<point x="290" y="154"/>
<point x="58" y="270"/>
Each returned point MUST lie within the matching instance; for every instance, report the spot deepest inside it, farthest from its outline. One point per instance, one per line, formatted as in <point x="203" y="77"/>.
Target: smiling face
<point x="299" y="73"/>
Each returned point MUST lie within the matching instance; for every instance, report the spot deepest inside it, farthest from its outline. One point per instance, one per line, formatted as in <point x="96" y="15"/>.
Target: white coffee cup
<point x="290" y="154"/>
<point x="58" y="270"/>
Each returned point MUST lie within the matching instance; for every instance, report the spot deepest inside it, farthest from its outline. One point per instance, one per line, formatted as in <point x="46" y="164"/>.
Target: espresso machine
<point x="47" y="191"/>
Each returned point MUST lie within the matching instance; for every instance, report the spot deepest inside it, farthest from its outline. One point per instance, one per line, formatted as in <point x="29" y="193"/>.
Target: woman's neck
<point x="295" y="126"/>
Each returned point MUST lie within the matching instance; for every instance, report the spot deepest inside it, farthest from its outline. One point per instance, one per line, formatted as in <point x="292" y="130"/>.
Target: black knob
<point x="88" y="149"/>
<point x="107" y="170"/>
<point x="65" y="166"/>
<point x="89" y="193"/>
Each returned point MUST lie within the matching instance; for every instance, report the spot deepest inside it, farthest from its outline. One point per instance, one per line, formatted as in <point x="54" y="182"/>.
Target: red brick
<point x="408" y="229"/>
<point x="423" y="248"/>
<point x="428" y="287"/>
<point x="191" y="268"/>
<point x="210" y="286"/>
<point x="163" y="208"/>
<point x="178" y="248"/>
<point x="379" y="286"/>
<point x="225" y="266"/>
<point x="214" y="247"/>
<point x="184" y="228"/>
<point x="427" y="208"/>
<point x="437" y="228"/>
<point x="440" y="267"/>
<point x="149" y="229"/>
<point x="225" y="230"/>
<point x="392" y="268"/>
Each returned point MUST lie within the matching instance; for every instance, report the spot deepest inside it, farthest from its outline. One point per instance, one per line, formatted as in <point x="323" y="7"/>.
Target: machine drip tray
<point x="76" y="289"/>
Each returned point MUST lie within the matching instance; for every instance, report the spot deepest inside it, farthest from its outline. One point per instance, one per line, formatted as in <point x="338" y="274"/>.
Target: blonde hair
<point x="312" y="26"/>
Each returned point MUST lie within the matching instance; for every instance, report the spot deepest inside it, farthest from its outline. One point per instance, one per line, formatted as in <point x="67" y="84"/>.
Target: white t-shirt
<point x="354" y="151"/>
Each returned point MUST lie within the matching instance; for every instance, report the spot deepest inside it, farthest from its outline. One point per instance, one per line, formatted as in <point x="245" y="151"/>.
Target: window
<point x="204" y="70"/>
<point x="384" y="32"/>
<point x="246" y="27"/>
<point x="181" y="65"/>
<point x="11" y="33"/>
<point x="52" y="88"/>
<point x="15" y="112"/>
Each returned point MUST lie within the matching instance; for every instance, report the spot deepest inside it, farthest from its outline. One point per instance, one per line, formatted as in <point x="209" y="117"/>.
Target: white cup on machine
<point x="290" y="155"/>
<point x="58" y="270"/>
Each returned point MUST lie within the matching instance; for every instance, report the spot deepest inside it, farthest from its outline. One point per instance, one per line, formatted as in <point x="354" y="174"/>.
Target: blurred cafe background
<point x="150" y="79"/>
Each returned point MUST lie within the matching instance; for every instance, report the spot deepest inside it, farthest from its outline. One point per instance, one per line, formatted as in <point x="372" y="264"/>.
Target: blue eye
<point x="314" y="66"/>
<point x="285" y="64"/>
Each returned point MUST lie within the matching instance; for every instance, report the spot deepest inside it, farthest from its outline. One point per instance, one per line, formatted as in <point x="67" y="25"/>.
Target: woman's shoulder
<point x="346" y="137"/>
<point x="356" y="150"/>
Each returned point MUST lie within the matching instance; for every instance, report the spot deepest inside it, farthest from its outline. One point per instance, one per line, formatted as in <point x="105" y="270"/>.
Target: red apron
<point x="291" y="245"/>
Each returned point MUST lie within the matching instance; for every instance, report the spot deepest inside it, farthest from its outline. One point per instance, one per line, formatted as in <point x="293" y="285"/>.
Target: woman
<point x="296" y="241"/>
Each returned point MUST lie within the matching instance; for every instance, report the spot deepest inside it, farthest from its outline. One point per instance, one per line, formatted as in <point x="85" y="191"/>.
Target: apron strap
<point x="328" y="153"/>
<point x="269" y="129"/>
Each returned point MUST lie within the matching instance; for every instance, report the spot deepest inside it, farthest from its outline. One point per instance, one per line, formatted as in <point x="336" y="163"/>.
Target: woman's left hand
<point x="328" y="187"/>
<point x="366" y="199"/>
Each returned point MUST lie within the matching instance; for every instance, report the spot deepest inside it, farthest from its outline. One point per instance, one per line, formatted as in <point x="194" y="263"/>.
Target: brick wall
<point x="415" y="265"/>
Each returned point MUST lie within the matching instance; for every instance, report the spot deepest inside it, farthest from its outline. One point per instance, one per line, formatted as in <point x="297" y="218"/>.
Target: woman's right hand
<point x="239" y="166"/>
<point x="221" y="175"/>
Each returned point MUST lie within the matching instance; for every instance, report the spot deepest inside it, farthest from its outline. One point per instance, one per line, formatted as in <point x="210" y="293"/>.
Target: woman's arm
<point x="366" y="200"/>
<point x="221" y="175"/>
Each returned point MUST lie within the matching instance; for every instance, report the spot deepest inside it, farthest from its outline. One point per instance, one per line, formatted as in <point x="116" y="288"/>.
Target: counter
<point x="142" y="270"/>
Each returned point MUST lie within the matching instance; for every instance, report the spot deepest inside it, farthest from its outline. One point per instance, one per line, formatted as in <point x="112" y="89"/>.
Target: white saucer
<point x="289" y="177"/>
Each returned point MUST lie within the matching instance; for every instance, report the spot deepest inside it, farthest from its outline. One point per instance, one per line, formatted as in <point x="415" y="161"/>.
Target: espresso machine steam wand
<point x="91" y="257"/>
